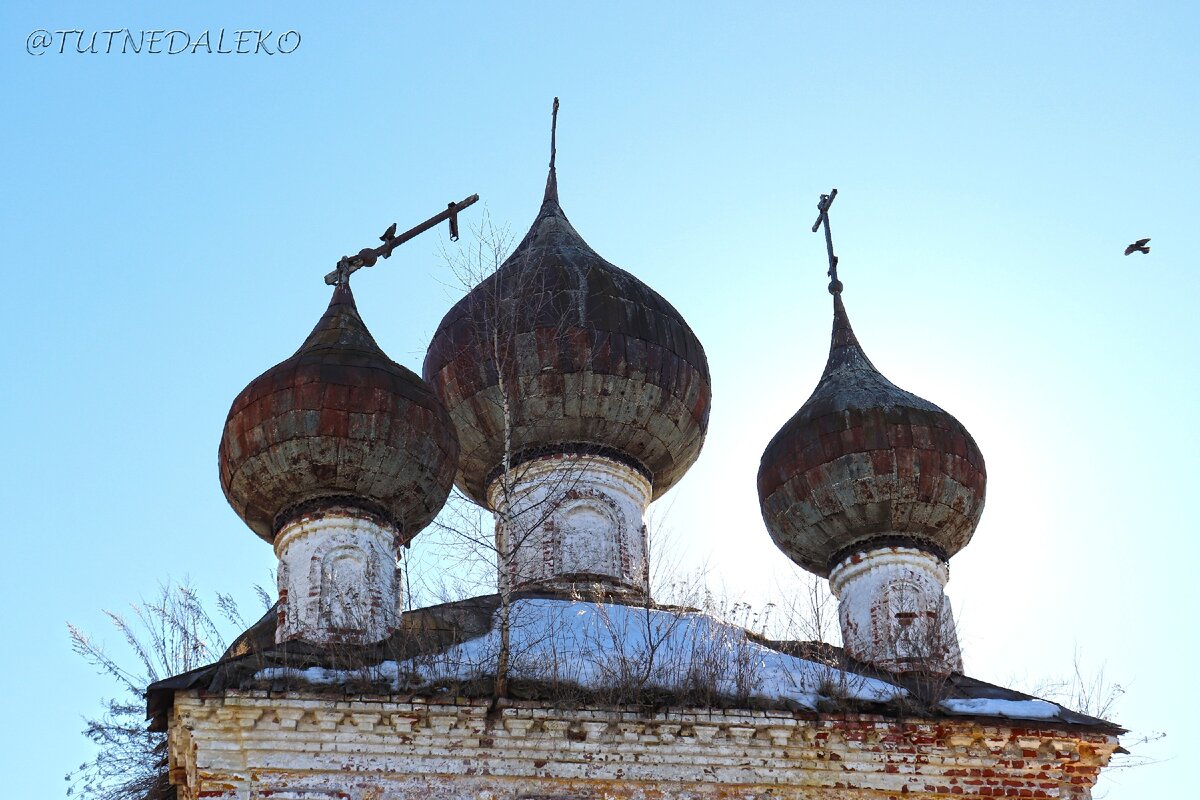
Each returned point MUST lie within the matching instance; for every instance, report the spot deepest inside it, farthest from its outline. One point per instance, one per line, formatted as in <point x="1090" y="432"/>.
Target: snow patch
<point x="1013" y="709"/>
<point x="601" y="646"/>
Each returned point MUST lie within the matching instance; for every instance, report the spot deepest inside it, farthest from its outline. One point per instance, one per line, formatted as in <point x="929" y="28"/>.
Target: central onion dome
<point x="338" y="423"/>
<point x="864" y="463"/>
<point x="581" y="357"/>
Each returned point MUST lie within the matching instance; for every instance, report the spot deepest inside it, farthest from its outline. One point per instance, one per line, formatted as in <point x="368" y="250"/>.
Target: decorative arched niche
<point x="347" y="572"/>
<point x="591" y="537"/>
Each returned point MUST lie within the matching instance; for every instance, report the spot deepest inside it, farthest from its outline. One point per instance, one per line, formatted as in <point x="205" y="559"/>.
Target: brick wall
<point x="302" y="746"/>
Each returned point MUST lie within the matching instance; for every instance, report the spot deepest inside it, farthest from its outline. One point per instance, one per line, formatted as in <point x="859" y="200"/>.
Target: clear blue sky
<point x="168" y="219"/>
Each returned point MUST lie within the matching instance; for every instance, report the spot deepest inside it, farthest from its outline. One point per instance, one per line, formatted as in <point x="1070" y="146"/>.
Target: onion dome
<point x="337" y="423"/>
<point x="864" y="463"/>
<point x="591" y="359"/>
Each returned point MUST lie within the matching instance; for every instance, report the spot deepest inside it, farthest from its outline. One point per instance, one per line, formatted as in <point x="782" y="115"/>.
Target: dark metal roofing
<point x="341" y="422"/>
<point x="434" y="630"/>
<point x="864" y="459"/>
<point x="425" y="631"/>
<point x="594" y="358"/>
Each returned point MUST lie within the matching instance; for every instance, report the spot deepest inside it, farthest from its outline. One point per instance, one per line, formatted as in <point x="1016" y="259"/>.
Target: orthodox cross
<point x="835" y="286"/>
<point x="369" y="255"/>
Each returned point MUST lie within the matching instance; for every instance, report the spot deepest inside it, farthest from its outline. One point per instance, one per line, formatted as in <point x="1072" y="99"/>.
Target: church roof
<point x="570" y="651"/>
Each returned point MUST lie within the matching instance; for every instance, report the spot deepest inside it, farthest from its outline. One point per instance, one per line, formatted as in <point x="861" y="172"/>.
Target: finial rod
<point x="367" y="257"/>
<point x="553" y="131"/>
<point x="551" y="177"/>
<point x="835" y="286"/>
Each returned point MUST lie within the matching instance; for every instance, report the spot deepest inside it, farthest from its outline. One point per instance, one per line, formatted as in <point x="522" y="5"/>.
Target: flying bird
<point x="1138" y="246"/>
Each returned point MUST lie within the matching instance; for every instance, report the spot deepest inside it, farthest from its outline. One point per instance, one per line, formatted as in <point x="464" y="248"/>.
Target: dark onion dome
<point x="598" y="363"/>
<point x="866" y="463"/>
<point x="338" y="423"/>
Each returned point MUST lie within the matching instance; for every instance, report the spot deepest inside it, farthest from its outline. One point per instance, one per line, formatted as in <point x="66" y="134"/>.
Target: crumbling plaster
<point x="247" y="745"/>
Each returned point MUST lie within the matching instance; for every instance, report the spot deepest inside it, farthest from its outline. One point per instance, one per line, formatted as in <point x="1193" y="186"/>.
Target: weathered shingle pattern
<point x="593" y="358"/>
<point x="863" y="459"/>
<point x="337" y="420"/>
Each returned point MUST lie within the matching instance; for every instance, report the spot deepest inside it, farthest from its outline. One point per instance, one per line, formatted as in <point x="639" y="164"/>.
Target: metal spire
<point x="552" y="178"/>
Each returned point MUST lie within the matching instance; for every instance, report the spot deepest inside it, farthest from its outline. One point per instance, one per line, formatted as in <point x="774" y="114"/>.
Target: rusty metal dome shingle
<point x="338" y="421"/>
<point x="597" y="361"/>
<point x="862" y="461"/>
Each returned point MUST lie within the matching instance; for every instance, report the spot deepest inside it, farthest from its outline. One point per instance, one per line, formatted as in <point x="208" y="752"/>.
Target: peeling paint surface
<point x="575" y="520"/>
<point x="250" y="745"/>
<point x="894" y="612"/>
<point x="338" y="580"/>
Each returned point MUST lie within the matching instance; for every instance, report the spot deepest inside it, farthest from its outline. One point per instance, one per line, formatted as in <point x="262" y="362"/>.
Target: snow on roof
<point x="601" y="645"/>
<point x="992" y="707"/>
<point x="615" y="652"/>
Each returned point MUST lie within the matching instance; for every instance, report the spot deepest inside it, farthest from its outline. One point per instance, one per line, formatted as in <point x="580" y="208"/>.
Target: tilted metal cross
<point x="835" y="286"/>
<point x="369" y="255"/>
